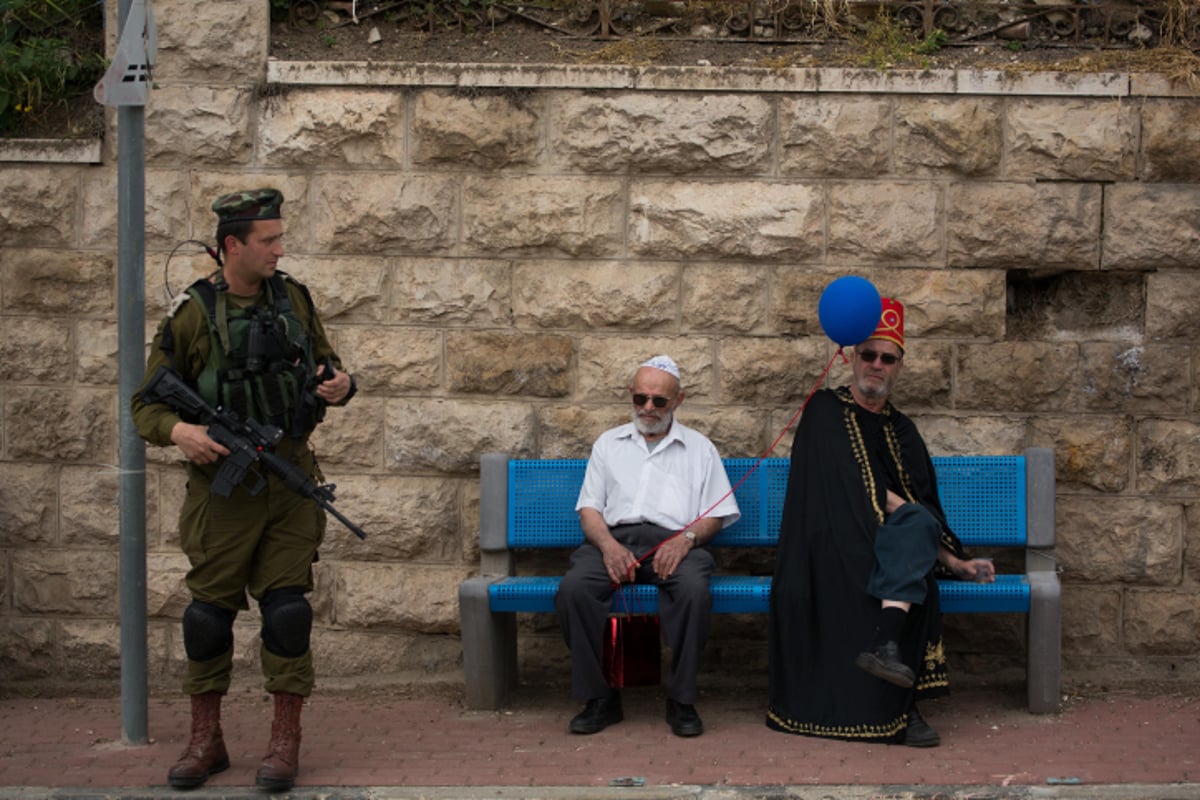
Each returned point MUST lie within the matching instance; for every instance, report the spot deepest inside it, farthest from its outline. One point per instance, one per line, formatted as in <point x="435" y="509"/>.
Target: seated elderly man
<point x="655" y="491"/>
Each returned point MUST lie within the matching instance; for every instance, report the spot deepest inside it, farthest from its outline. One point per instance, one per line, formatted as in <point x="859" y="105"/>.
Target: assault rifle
<point x="249" y="442"/>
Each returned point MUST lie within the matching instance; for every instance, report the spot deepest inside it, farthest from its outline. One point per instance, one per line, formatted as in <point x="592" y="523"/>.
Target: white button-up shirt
<point x="674" y="485"/>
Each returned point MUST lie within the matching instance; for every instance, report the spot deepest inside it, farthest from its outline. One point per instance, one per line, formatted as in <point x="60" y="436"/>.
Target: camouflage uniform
<point x="237" y="544"/>
<point x="263" y="544"/>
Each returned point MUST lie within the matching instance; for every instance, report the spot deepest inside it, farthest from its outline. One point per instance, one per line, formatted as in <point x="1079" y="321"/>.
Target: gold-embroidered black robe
<point x="844" y="459"/>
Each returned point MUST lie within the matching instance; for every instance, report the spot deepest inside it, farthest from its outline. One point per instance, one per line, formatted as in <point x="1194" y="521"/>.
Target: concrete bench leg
<point x="489" y="643"/>
<point x="1045" y="641"/>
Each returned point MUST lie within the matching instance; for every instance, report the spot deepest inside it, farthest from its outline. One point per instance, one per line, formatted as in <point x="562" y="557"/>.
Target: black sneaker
<point x="598" y="714"/>
<point x="884" y="663"/>
<point x="683" y="719"/>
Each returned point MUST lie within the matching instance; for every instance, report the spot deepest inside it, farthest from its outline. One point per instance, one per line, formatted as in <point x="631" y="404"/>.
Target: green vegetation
<point x="887" y="42"/>
<point x="50" y="51"/>
<point x="933" y="42"/>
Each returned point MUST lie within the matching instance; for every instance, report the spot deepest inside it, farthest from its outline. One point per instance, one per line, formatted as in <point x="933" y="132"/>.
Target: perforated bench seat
<point x="732" y="594"/>
<point x="748" y="594"/>
<point x="990" y="501"/>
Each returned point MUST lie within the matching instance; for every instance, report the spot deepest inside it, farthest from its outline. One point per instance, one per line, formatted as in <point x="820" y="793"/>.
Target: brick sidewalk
<point x="382" y="740"/>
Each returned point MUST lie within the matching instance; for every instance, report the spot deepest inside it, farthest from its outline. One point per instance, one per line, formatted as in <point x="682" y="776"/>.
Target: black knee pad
<point x="207" y="630"/>
<point x="286" y="622"/>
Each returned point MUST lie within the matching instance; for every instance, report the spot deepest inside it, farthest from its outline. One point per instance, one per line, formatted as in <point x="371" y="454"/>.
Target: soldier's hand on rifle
<point x="195" y="443"/>
<point x="332" y="390"/>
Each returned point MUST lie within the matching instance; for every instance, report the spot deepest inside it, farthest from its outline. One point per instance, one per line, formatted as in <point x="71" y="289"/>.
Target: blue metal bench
<point x="990" y="501"/>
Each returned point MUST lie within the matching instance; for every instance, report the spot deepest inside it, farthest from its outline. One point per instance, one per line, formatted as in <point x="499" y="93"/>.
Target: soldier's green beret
<point x="248" y="205"/>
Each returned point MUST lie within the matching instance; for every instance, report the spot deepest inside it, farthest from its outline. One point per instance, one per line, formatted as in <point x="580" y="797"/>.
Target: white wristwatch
<point x="691" y="537"/>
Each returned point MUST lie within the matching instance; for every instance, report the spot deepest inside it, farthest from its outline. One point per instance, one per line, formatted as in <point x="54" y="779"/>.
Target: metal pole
<point x="131" y="341"/>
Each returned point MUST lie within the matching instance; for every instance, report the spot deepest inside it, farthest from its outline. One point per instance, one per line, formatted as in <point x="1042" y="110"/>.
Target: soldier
<point x="249" y="340"/>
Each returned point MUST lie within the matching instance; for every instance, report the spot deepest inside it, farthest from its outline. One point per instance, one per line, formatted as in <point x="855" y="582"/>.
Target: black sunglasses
<point x="639" y="400"/>
<point x="869" y="356"/>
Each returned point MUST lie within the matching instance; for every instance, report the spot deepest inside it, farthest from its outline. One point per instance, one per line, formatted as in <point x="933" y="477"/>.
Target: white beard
<point x="652" y="428"/>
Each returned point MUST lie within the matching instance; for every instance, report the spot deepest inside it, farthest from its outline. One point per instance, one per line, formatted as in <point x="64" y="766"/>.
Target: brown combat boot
<point x="279" y="768"/>
<point x="205" y="754"/>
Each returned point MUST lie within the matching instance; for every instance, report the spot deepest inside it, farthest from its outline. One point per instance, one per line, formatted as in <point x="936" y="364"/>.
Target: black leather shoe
<point x="598" y="714"/>
<point x="884" y="662"/>
<point x="918" y="733"/>
<point x="683" y="719"/>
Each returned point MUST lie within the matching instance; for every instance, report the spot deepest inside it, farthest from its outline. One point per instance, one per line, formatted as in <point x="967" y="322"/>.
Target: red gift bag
<point x="632" y="650"/>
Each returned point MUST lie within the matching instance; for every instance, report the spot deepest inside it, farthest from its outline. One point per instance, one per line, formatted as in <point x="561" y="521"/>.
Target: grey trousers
<point x="906" y="551"/>
<point x="584" y="601"/>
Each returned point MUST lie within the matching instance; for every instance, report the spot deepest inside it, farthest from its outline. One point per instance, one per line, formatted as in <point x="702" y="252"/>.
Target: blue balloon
<point x="849" y="310"/>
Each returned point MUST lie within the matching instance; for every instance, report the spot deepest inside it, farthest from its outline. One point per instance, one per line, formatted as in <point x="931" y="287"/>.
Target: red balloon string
<point x="750" y="471"/>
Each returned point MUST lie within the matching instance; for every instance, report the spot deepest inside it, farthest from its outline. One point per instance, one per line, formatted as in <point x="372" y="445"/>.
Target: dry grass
<point x="1178" y="64"/>
<point x="633" y="52"/>
<point x="1177" y="23"/>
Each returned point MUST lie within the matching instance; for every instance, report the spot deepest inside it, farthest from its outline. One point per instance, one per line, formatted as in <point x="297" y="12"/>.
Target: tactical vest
<point x="260" y="364"/>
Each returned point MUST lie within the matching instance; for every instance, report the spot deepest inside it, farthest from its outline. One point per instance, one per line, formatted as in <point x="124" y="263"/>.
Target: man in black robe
<point x="855" y="625"/>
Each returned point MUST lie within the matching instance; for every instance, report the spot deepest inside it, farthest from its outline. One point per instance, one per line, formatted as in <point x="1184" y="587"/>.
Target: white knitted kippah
<point x="665" y="363"/>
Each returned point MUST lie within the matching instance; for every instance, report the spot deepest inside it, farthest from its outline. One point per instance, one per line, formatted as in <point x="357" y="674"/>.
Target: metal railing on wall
<point x="1048" y="23"/>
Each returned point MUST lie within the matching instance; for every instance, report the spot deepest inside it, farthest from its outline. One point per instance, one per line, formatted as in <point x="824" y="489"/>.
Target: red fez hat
<point x="891" y="323"/>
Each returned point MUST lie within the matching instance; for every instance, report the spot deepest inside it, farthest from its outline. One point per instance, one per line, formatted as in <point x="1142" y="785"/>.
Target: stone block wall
<point x="494" y="248"/>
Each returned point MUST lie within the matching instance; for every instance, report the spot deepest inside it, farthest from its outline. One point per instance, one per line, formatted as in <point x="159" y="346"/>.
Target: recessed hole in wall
<point x="1072" y="305"/>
